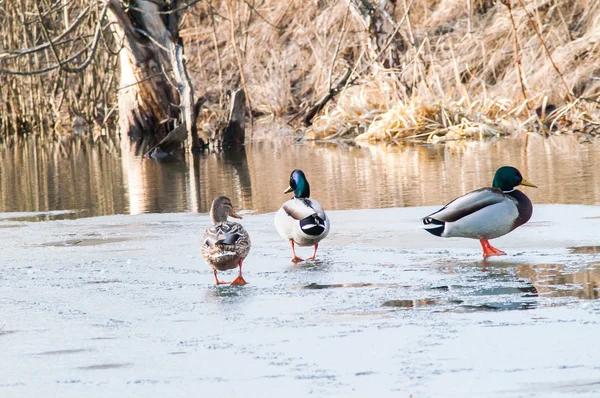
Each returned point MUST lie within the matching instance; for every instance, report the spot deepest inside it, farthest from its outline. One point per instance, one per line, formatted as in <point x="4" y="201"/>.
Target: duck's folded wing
<point x="299" y="209"/>
<point x="467" y="204"/>
<point x="222" y="235"/>
<point x="212" y="236"/>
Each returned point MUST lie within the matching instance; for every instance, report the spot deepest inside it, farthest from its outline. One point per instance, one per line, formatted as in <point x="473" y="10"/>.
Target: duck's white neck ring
<point x="512" y="190"/>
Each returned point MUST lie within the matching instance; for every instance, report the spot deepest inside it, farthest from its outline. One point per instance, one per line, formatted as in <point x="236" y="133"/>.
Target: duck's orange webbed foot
<point x="217" y="281"/>
<point x="489" y="250"/>
<point x="314" y="253"/>
<point x="295" y="259"/>
<point x="238" y="281"/>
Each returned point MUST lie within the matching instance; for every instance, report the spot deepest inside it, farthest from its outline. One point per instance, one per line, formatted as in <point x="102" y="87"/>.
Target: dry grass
<point x="457" y="76"/>
<point x="58" y="102"/>
<point x="464" y="83"/>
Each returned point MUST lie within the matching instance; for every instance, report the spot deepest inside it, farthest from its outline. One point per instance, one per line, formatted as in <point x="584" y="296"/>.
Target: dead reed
<point x="435" y="70"/>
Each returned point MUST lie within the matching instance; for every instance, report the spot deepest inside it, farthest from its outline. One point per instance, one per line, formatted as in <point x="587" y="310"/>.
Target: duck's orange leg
<point x="240" y="279"/>
<point x="314" y="253"/>
<point x="217" y="279"/>
<point x="489" y="250"/>
<point x="296" y="259"/>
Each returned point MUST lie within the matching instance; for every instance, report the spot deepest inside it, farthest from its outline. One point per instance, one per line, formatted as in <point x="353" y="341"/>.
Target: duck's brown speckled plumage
<point x="224" y="245"/>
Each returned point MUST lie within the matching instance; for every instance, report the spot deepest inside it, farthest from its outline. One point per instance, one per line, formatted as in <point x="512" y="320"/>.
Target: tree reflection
<point x="99" y="179"/>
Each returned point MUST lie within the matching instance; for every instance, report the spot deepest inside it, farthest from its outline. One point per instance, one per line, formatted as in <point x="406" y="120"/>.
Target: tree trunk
<point x="155" y="94"/>
<point x="385" y="43"/>
<point x="234" y="134"/>
<point x="230" y="133"/>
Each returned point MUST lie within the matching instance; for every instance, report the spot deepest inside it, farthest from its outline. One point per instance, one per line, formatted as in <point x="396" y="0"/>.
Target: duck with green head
<point x="485" y="213"/>
<point x="301" y="220"/>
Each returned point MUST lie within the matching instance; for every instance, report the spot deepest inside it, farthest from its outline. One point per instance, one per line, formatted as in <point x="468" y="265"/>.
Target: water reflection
<point x="88" y="178"/>
<point x="557" y="280"/>
<point x="580" y="280"/>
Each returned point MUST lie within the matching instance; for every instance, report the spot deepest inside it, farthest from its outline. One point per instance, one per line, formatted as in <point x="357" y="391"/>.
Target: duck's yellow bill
<point x="288" y="190"/>
<point x="235" y="215"/>
<point x="528" y="184"/>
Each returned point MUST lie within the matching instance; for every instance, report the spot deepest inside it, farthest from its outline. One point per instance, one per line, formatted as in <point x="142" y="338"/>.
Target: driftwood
<point x="307" y="121"/>
<point x="168" y="144"/>
<point x="229" y="134"/>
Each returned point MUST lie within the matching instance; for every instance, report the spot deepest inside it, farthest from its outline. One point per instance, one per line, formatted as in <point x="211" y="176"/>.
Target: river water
<point x="91" y="181"/>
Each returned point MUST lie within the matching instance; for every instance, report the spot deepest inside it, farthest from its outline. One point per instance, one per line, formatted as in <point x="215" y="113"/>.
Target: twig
<point x="307" y="121"/>
<point x="517" y="50"/>
<point x="239" y="59"/>
<point x="44" y="70"/>
<point x="16" y="53"/>
<point x="338" y="45"/>
<point x="94" y="45"/>
<point x="218" y="53"/>
<point x="261" y="16"/>
<point x="537" y="32"/>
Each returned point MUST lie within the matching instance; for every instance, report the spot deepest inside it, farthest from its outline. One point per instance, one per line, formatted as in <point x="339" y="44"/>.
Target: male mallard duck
<point x="226" y="244"/>
<point x="485" y="213"/>
<point x="301" y="220"/>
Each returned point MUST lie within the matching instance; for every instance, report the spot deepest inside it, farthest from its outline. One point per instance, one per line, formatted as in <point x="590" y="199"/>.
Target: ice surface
<point x="124" y="306"/>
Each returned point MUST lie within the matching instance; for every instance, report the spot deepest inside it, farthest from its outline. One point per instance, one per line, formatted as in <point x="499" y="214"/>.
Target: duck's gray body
<point x="486" y="213"/>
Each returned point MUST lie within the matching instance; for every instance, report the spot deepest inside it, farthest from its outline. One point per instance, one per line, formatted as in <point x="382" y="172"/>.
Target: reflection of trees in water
<point x="70" y="175"/>
<point x="344" y="177"/>
<point x="557" y="280"/>
<point x="154" y="186"/>
<point x="80" y="175"/>
<point x="224" y="173"/>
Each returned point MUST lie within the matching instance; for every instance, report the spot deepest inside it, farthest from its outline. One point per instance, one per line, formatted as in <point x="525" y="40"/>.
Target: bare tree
<point x="57" y="41"/>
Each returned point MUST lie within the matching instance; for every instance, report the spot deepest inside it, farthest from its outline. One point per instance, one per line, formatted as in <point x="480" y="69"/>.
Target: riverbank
<point x="386" y="71"/>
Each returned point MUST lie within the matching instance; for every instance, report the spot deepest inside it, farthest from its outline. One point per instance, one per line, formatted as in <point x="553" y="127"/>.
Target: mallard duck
<point x="485" y="213"/>
<point x="226" y="244"/>
<point x="301" y="220"/>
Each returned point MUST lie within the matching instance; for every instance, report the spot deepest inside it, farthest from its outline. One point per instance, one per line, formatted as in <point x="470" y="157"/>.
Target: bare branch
<point x="94" y="46"/>
<point x="16" y="53"/>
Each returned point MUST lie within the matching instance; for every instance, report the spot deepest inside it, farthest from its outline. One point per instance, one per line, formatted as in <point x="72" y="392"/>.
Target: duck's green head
<point x="298" y="184"/>
<point x="507" y="178"/>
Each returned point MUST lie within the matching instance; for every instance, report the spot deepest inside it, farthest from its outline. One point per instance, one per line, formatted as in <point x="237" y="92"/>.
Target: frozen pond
<point x="124" y="306"/>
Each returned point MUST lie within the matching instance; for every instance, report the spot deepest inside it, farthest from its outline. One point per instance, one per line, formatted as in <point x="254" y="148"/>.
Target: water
<point x="99" y="304"/>
<point x="92" y="181"/>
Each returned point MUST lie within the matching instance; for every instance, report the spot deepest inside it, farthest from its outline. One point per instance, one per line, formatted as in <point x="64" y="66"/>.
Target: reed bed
<point x="461" y="68"/>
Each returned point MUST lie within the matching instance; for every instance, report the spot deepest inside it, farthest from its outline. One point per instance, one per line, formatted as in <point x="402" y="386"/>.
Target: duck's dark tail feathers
<point x="312" y="225"/>
<point x="433" y="226"/>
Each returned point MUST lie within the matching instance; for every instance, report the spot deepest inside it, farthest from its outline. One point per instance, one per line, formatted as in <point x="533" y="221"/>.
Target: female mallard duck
<point x="301" y="220"/>
<point x="485" y="213"/>
<point x="226" y="244"/>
